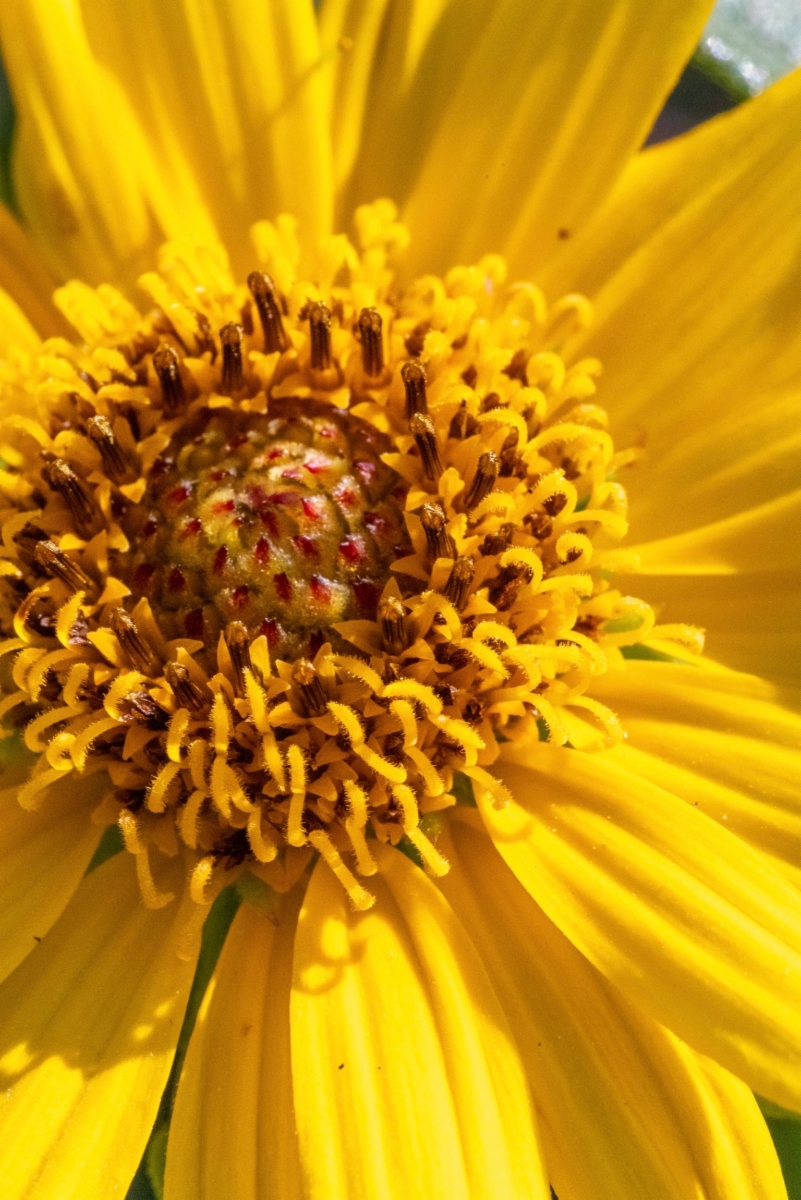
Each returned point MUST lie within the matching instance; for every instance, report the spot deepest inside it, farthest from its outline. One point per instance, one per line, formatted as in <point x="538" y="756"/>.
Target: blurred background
<point x="747" y="45"/>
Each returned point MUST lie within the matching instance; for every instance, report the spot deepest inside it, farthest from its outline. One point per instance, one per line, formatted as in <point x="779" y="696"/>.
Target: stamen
<point x="372" y="342"/>
<point x="496" y="543"/>
<point x="413" y="374"/>
<point x="237" y="640"/>
<point x="438" y="543"/>
<point x="165" y="364"/>
<point x="462" y="424"/>
<point x="309" y="689"/>
<point x="360" y="898"/>
<point x="390" y="615"/>
<point x="231" y="341"/>
<point x="320" y="334"/>
<point x="422" y="430"/>
<point x="114" y="460"/>
<point x="55" y="562"/>
<point x="134" y="646"/>
<point x="185" y="690"/>
<point x="263" y="291"/>
<point x="508" y="582"/>
<point x="483" y="480"/>
<point x="458" y="586"/>
<point x="62" y="479"/>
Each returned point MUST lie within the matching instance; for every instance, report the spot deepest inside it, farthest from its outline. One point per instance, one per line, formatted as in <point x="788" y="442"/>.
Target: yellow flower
<point x="299" y="571"/>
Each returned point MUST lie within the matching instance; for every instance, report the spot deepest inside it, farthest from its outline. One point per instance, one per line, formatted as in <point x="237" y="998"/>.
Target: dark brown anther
<point x="508" y="582"/>
<point x="463" y="424"/>
<point x="458" y="586"/>
<point x="309" y="689"/>
<point x="114" y="460"/>
<point x="510" y="459"/>
<point x="237" y="640"/>
<point x="263" y="291"/>
<point x="483" y="480"/>
<point x="231" y="342"/>
<point x="165" y="364"/>
<point x="184" y="688"/>
<point x="496" y="543"/>
<point x="438" y="544"/>
<point x="62" y="479"/>
<point x="320" y="334"/>
<point x="413" y="374"/>
<point x="390" y="617"/>
<point x="134" y="646"/>
<point x="422" y="430"/>
<point x="372" y="342"/>
<point x="56" y="563"/>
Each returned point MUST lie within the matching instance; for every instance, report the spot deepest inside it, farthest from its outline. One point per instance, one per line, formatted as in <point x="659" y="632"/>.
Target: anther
<point x="463" y="424"/>
<point x="459" y="581"/>
<point x="372" y="342"/>
<point x="165" y="364"/>
<point x="134" y="646"/>
<point x="184" y="688"/>
<point x="438" y="544"/>
<point x="390" y="616"/>
<point x="114" y="460"/>
<point x="263" y="291"/>
<point x="413" y="374"/>
<point x="62" y="479"/>
<point x="309" y="689"/>
<point x="237" y="640"/>
<point x="231" y="342"/>
<point x="483" y="480"/>
<point x="496" y="543"/>
<point x="508" y="582"/>
<point x="510" y="459"/>
<point x="55" y="562"/>
<point x="422" y="430"/>
<point x="320" y="334"/>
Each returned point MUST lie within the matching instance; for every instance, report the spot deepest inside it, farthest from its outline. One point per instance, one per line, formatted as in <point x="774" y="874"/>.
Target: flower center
<point x="287" y="523"/>
<point x="289" y="562"/>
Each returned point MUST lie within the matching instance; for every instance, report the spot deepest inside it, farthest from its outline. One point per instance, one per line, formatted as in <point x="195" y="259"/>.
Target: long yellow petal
<point x="233" y="1128"/>
<point x="407" y="1081"/>
<point x="232" y="97"/>
<point x="28" y="285"/>
<point x="43" y="855"/>
<point x="500" y="127"/>
<point x="92" y="191"/>
<point x="747" y="774"/>
<point x="626" y="1109"/>
<point x="88" y="1026"/>
<point x="689" y="921"/>
<point x="692" y="266"/>
<point x="751" y="621"/>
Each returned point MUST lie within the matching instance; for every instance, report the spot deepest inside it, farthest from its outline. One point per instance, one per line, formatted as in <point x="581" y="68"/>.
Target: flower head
<point x="320" y="557"/>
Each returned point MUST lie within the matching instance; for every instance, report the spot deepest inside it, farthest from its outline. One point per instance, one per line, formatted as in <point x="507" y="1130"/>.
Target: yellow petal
<point x="27" y="288"/>
<point x="233" y="1127"/>
<point x="43" y="855"/>
<point x="626" y="1109"/>
<point x="692" y="268"/>
<point x="689" y="921"/>
<point x="88" y="1026"/>
<point x="758" y="539"/>
<point x="231" y="95"/>
<point x="406" y="1078"/>
<point x="498" y="128"/>
<point x="720" y="741"/>
<point x="90" y="187"/>
<point x="751" y="621"/>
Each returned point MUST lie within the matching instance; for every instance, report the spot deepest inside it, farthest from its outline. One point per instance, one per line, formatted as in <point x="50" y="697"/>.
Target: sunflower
<point x="373" y="586"/>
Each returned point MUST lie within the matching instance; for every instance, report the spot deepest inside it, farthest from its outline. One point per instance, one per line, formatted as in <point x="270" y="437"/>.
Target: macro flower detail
<point x="353" y="597"/>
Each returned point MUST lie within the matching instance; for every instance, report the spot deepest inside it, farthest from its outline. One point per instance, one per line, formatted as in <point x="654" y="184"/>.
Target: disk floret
<point x="286" y="562"/>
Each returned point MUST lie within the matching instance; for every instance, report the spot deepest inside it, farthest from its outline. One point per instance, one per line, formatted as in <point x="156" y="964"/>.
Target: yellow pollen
<point x="290" y="560"/>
